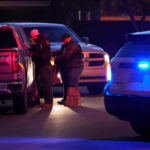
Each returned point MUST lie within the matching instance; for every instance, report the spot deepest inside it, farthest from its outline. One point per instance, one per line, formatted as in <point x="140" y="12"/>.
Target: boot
<point x="73" y="96"/>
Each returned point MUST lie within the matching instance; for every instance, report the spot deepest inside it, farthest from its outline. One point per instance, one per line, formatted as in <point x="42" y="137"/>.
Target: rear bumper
<point x="127" y="107"/>
<point x="10" y="88"/>
<point x="127" y="90"/>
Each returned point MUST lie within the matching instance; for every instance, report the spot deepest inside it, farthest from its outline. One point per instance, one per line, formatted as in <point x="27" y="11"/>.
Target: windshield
<point x="53" y="34"/>
<point x="135" y="49"/>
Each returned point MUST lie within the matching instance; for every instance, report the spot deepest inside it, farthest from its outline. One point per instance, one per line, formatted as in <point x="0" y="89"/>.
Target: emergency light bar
<point x="143" y="65"/>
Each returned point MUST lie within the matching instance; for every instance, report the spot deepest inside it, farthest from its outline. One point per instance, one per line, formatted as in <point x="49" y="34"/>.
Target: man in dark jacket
<point x="41" y="55"/>
<point x="69" y="61"/>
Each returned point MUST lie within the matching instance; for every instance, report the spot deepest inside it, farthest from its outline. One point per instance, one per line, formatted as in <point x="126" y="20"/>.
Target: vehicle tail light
<point x="15" y="65"/>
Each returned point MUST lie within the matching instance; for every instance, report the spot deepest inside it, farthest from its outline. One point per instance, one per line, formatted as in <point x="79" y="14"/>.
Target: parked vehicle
<point x="127" y="94"/>
<point x="96" y="60"/>
<point x="16" y="69"/>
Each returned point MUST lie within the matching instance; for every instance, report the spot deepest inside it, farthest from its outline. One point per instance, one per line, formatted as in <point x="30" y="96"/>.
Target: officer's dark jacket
<point x="70" y="56"/>
<point x="40" y="50"/>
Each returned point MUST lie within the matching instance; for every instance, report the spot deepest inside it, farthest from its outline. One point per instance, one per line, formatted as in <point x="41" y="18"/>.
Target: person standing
<point x="69" y="61"/>
<point x="41" y="55"/>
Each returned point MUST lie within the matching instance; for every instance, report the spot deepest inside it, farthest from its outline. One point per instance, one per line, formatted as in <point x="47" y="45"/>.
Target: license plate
<point x="136" y="78"/>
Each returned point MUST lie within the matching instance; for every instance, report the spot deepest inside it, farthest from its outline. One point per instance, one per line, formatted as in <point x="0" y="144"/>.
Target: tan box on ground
<point x="73" y="96"/>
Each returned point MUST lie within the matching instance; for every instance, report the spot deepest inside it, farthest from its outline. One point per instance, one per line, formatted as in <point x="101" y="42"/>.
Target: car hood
<point x="85" y="47"/>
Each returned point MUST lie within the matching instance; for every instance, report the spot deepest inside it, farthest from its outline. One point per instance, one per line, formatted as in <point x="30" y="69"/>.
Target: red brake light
<point x="15" y="65"/>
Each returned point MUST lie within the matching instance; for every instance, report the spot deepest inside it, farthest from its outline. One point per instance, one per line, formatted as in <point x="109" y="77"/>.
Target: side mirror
<point x="85" y="39"/>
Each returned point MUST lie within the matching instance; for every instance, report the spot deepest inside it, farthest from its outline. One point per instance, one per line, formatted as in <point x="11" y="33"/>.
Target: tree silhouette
<point x="66" y="11"/>
<point x="138" y="8"/>
<point x="130" y="8"/>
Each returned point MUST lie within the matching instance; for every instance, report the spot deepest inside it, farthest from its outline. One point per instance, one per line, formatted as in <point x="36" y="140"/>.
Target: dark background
<point x="110" y="35"/>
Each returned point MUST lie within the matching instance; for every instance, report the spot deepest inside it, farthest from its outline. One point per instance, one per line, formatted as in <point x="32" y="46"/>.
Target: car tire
<point x="108" y="103"/>
<point x="20" y="103"/>
<point x="114" y="105"/>
<point x="95" y="89"/>
<point x="141" y="127"/>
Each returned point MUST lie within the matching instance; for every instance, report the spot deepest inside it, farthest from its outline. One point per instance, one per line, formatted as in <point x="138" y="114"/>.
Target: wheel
<point x="20" y="103"/>
<point x="108" y="103"/>
<point x="117" y="106"/>
<point x="95" y="88"/>
<point x="141" y="127"/>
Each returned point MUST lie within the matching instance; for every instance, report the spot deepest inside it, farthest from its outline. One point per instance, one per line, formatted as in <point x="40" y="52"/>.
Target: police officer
<point x="69" y="61"/>
<point x="41" y="55"/>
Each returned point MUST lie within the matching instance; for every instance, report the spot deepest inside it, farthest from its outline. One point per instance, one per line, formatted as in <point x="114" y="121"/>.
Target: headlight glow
<point x="108" y="72"/>
<point x="106" y="57"/>
<point x="59" y="76"/>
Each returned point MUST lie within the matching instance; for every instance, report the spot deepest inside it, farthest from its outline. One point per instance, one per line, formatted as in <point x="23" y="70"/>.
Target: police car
<point x="127" y="94"/>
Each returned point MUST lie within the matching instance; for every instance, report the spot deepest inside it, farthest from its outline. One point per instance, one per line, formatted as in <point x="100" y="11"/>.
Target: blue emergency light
<point x="143" y="65"/>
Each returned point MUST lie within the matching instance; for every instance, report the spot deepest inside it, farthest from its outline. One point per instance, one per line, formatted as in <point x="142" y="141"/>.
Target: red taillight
<point x="15" y="65"/>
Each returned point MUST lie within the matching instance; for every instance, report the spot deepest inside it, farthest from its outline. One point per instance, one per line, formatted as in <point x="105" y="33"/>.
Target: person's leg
<point x="46" y="83"/>
<point x="70" y="78"/>
<point x="64" y="75"/>
<point x="73" y="91"/>
<point x="74" y="77"/>
<point x="35" y="95"/>
<point x="37" y="76"/>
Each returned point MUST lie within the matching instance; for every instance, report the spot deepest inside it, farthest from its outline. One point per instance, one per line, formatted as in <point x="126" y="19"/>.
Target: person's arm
<point x="72" y="50"/>
<point x="59" y="52"/>
<point x="32" y="45"/>
<point x="56" y="53"/>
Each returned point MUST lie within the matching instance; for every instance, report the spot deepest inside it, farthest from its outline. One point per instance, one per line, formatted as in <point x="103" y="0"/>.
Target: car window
<point x="7" y="39"/>
<point x="135" y="49"/>
<point x="53" y="34"/>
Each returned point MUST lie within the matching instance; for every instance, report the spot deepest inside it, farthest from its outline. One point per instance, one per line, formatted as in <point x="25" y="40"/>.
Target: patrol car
<point x="127" y="94"/>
